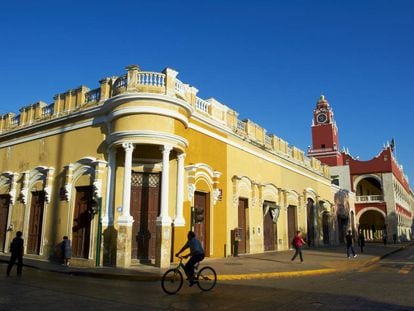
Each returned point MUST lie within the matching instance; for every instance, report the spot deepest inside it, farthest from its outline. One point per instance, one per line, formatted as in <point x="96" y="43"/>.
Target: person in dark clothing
<point x="66" y="251"/>
<point x="361" y="241"/>
<point x="349" y="247"/>
<point x="196" y="253"/>
<point x="16" y="249"/>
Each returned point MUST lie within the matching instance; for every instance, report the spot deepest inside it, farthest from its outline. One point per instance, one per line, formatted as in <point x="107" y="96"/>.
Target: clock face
<point x="322" y="118"/>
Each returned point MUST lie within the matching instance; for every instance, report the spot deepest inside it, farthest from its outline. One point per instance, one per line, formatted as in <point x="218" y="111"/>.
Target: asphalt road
<point x="388" y="285"/>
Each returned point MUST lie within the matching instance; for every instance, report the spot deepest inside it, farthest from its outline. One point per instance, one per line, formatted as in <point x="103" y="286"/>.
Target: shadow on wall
<point x="110" y="236"/>
<point x="56" y="255"/>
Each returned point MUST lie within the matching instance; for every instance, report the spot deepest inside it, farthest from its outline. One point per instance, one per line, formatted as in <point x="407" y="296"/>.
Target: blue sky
<point x="268" y="60"/>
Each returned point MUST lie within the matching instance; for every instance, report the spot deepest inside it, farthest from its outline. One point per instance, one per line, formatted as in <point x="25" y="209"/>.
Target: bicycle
<point x="172" y="280"/>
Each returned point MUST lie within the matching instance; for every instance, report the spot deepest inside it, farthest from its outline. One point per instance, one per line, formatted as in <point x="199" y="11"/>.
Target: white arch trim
<point x="366" y="209"/>
<point x="311" y="193"/>
<point x="365" y="176"/>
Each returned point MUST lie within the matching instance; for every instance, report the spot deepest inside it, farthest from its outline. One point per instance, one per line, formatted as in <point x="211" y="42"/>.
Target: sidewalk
<point x="265" y="265"/>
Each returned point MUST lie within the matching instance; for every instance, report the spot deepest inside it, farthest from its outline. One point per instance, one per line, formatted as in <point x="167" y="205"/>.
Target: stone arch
<point x="36" y="182"/>
<point x="86" y="172"/>
<point x="311" y="194"/>
<point x="203" y="178"/>
<point x="372" y="222"/>
<point x="202" y="171"/>
<point x="368" y="185"/>
<point x="269" y="192"/>
<point x="8" y="183"/>
<point x="292" y="198"/>
<point x="365" y="176"/>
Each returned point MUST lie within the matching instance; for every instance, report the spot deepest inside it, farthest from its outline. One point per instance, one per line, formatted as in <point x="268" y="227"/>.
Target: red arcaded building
<point x="378" y="199"/>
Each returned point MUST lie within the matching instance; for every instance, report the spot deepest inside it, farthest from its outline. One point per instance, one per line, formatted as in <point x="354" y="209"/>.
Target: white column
<point x="126" y="217"/>
<point x="164" y="219"/>
<point x="107" y="218"/>
<point x="179" y="218"/>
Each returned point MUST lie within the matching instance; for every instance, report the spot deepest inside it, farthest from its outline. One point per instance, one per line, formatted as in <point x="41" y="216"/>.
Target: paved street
<point x="385" y="284"/>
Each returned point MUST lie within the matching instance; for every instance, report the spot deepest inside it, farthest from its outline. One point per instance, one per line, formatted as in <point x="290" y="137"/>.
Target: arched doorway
<point x="372" y="224"/>
<point x="200" y="217"/>
<point x="35" y="222"/>
<point x="311" y="211"/>
<point x="82" y="218"/>
<point x="4" y="214"/>
<point x="271" y="214"/>
<point x="145" y="207"/>
<point x="325" y="227"/>
<point x="242" y="224"/>
<point x="292" y="226"/>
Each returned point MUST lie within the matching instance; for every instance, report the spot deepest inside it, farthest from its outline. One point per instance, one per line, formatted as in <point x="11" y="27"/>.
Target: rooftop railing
<point x="151" y="78"/>
<point x="166" y="83"/>
<point x="94" y="95"/>
<point x="202" y="105"/>
<point x="47" y="111"/>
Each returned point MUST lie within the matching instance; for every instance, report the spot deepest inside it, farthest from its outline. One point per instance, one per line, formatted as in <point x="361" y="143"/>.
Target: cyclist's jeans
<point x="189" y="266"/>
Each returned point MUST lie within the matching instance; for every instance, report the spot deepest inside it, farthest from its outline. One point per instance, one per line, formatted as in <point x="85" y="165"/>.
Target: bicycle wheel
<point x="206" y="278"/>
<point x="171" y="281"/>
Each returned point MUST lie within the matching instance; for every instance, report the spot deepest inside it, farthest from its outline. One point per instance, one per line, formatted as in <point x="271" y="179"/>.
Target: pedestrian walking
<point x="349" y="247"/>
<point x="297" y="243"/>
<point x="66" y="251"/>
<point x="384" y="238"/>
<point x="16" y="250"/>
<point x="361" y="241"/>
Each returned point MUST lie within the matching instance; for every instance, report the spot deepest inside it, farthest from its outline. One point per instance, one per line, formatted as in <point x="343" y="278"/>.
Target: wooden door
<point x="35" y="222"/>
<point x="291" y="223"/>
<point x="200" y="204"/>
<point x="242" y="211"/>
<point x="82" y="217"/>
<point x="268" y="232"/>
<point x="325" y="227"/>
<point x="4" y="214"/>
<point x="145" y="208"/>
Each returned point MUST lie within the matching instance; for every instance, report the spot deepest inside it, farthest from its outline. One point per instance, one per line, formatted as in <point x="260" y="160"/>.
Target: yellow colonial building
<point x="126" y="169"/>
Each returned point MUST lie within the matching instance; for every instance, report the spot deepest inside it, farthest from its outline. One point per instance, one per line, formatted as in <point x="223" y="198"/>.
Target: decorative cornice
<point x="259" y="155"/>
<point x="112" y="102"/>
<point x="148" y="110"/>
<point x="148" y="136"/>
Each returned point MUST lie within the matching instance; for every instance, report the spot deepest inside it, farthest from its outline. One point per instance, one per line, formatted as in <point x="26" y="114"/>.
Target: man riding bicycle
<point x="196" y="253"/>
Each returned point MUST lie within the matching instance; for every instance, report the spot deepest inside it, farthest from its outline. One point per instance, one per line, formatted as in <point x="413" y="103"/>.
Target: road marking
<point x="250" y="276"/>
<point x="406" y="269"/>
<point x="366" y="269"/>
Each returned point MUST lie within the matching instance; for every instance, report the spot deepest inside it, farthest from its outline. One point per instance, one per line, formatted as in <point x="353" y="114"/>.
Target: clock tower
<point x="325" y="135"/>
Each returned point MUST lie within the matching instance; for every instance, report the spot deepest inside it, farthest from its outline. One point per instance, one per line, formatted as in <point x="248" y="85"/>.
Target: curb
<point x="269" y="275"/>
<point x="222" y="277"/>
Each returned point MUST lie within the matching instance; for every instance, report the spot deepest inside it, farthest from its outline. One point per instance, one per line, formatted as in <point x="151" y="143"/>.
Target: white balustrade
<point x="268" y="140"/>
<point x="151" y="78"/>
<point x="180" y="87"/>
<point x="369" y="198"/>
<point x="241" y="125"/>
<point x="202" y="105"/>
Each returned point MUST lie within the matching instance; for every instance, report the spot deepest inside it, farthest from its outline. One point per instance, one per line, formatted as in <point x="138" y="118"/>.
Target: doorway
<point x="145" y="208"/>
<point x="82" y="218"/>
<point x="35" y="222"/>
